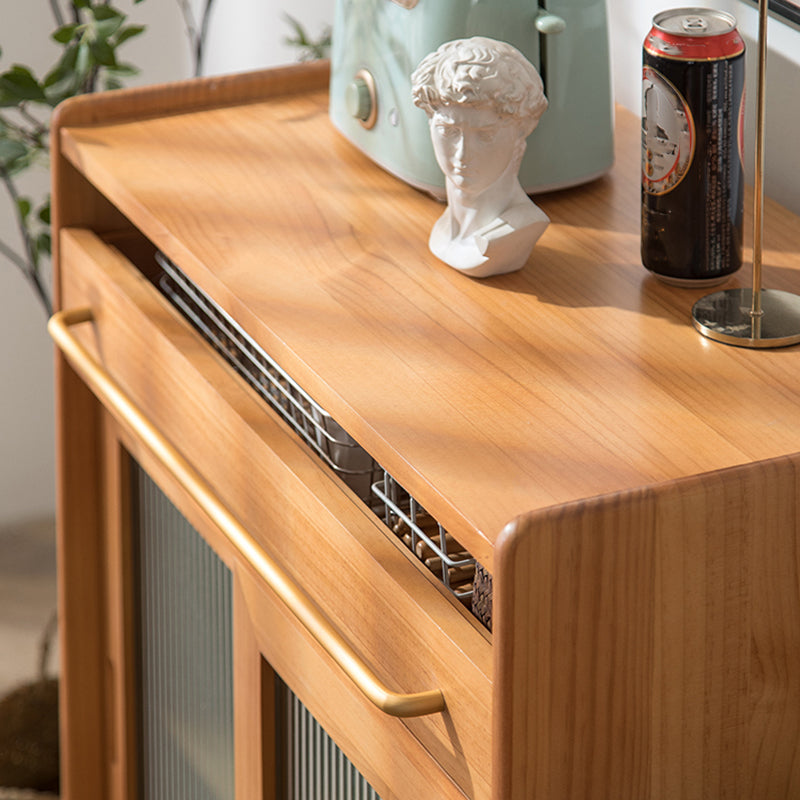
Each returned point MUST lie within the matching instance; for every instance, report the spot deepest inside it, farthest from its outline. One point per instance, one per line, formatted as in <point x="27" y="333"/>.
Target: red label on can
<point x="694" y="48"/>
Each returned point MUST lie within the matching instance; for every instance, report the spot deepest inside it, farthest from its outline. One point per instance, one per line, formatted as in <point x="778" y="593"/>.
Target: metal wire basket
<point x="435" y="548"/>
<point x="316" y="427"/>
<point x="425" y="537"/>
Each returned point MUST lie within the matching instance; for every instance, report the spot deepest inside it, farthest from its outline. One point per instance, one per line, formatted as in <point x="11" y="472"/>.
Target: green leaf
<point x="15" y="156"/>
<point x="105" y="11"/>
<point x="44" y="243"/>
<point x="65" y="33"/>
<point x="106" y="27"/>
<point x="64" y="79"/>
<point x="103" y="53"/>
<point x="61" y="89"/>
<point x="8" y="100"/>
<point x="24" y="207"/>
<point x="44" y="212"/>
<point x="300" y="38"/>
<point x="19" y="82"/>
<point x="128" y="32"/>
<point x="123" y="70"/>
<point x="11" y="150"/>
<point x="64" y="64"/>
<point x="83" y="62"/>
<point x="309" y="48"/>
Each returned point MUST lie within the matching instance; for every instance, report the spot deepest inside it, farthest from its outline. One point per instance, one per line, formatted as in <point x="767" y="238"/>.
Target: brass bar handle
<point x="112" y="396"/>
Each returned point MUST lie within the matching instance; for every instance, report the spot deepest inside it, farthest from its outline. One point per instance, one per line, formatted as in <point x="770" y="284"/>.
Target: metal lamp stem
<point x="755" y="318"/>
<point x="761" y="108"/>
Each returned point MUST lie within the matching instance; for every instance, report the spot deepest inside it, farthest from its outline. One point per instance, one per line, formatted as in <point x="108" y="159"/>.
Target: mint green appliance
<point x="377" y="44"/>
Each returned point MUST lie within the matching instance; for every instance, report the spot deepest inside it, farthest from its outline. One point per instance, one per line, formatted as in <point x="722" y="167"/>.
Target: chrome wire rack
<point x="425" y="537"/>
<point x="338" y="450"/>
<point x="435" y="548"/>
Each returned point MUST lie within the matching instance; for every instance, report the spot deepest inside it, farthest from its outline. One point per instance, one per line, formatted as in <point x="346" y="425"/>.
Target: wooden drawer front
<point x="375" y="743"/>
<point x="396" y="618"/>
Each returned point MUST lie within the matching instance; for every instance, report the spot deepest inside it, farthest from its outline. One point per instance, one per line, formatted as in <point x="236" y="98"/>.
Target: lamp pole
<point x="756" y="317"/>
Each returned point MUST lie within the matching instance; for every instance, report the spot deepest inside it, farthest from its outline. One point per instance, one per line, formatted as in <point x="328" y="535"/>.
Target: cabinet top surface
<point x="579" y="375"/>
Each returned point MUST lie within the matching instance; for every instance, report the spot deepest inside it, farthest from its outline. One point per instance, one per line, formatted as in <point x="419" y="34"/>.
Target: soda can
<point x="693" y="80"/>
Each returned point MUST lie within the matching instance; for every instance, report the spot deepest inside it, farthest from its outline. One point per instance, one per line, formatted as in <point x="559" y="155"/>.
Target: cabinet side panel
<point x="81" y="590"/>
<point x="121" y="643"/>
<point x="775" y="666"/>
<point x="647" y="644"/>
<point x="573" y="628"/>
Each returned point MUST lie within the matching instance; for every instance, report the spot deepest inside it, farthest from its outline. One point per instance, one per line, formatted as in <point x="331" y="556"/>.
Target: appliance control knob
<point x="548" y="23"/>
<point x="361" y="99"/>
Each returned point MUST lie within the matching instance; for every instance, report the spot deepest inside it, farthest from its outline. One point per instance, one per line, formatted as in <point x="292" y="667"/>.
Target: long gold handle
<point x="107" y="390"/>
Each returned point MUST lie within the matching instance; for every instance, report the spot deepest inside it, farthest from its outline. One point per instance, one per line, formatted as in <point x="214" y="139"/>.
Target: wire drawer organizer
<point x="435" y="548"/>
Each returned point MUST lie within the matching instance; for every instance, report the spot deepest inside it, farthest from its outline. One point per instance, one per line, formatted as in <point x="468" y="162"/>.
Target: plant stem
<point x="201" y="39"/>
<point x="46" y="644"/>
<point x="57" y="15"/>
<point x="34" y="134"/>
<point x="90" y="85"/>
<point x="196" y="34"/>
<point x="38" y="126"/>
<point x="14" y="257"/>
<point x="29" y="268"/>
<point x="191" y="27"/>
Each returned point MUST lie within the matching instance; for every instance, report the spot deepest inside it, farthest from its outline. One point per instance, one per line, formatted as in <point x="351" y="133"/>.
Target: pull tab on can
<point x="694" y="24"/>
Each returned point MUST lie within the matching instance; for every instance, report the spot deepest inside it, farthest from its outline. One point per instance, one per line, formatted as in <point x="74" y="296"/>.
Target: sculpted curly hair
<point x="483" y="73"/>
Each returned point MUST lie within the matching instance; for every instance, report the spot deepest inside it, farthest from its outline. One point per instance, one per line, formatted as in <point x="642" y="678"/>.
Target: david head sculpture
<point x="483" y="98"/>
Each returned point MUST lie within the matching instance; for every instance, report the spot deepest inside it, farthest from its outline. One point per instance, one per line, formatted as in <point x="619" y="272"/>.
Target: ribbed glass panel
<point x="314" y="766"/>
<point x="185" y="641"/>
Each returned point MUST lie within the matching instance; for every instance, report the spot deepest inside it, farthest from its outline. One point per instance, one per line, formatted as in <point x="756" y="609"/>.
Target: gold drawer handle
<point x="107" y="390"/>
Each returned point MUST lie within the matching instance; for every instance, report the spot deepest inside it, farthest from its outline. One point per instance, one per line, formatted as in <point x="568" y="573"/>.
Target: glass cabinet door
<point x="184" y="610"/>
<point x="312" y="765"/>
<point x="185" y="677"/>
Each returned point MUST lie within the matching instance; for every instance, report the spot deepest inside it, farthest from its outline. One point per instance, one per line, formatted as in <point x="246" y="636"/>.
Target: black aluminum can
<point x="692" y="124"/>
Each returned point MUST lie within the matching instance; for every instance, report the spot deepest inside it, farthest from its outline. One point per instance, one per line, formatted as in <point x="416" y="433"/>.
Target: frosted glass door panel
<point x="314" y="766"/>
<point x="185" y="648"/>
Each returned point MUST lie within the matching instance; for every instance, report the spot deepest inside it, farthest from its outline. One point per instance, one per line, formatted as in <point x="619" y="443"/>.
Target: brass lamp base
<point x="728" y="317"/>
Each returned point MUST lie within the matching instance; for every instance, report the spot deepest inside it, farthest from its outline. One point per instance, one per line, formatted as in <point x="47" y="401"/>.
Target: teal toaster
<point x="377" y="44"/>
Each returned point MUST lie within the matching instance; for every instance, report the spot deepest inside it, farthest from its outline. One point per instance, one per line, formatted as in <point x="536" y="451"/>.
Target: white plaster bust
<point x="483" y="98"/>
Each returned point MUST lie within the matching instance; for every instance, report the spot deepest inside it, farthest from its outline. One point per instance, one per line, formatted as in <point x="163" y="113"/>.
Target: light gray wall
<point x="260" y="42"/>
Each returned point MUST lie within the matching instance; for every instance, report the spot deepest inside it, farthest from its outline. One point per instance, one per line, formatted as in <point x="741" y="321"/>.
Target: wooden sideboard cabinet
<point x="332" y="514"/>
